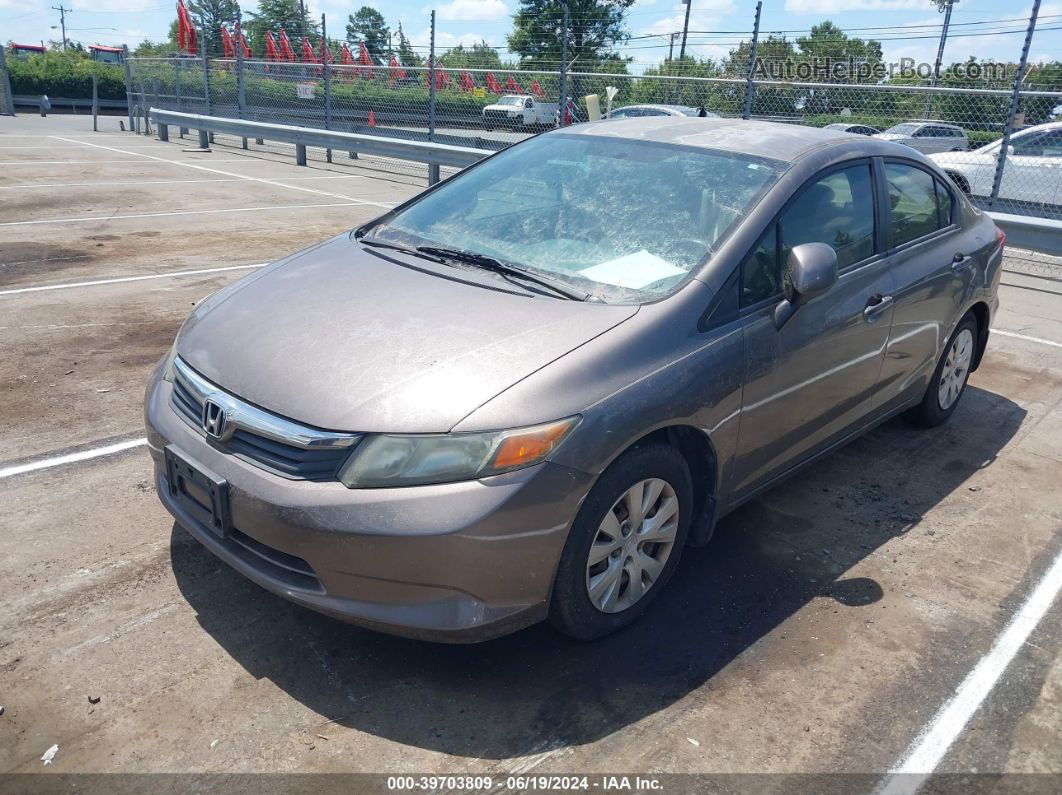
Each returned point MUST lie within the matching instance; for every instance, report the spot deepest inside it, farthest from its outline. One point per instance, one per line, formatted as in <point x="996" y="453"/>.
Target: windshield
<point x="903" y="129"/>
<point x="623" y="220"/>
<point x="511" y="101"/>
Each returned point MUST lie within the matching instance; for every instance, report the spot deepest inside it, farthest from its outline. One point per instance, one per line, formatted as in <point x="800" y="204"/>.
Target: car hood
<point x="344" y="338"/>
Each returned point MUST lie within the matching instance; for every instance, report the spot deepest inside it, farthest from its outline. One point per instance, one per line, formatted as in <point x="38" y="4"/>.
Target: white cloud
<point x="469" y="10"/>
<point x="838" y="6"/>
<point x="444" y="40"/>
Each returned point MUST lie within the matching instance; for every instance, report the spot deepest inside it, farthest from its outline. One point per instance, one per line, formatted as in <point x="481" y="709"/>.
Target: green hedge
<point x="65" y="74"/>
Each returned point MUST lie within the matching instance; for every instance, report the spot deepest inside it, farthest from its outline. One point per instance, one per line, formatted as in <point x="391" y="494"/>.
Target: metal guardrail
<point x="1043" y="235"/>
<point x="433" y="153"/>
<point x="73" y="103"/>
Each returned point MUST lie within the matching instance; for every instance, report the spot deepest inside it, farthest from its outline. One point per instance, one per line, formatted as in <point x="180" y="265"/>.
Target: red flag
<point x="187" y="40"/>
<point x="326" y="52"/>
<point x="345" y="57"/>
<point x="536" y="89"/>
<point x="272" y="51"/>
<point x="246" y="48"/>
<point x="287" y="52"/>
<point x="227" y="46"/>
<point x="493" y="86"/>
<point x="442" y="79"/>
<point x="512" y="86"/>
<point x="396" y="70"/>
<point x="307" y="52"/>
<point x="182" y="35"/>
<point x="467" y="83"/>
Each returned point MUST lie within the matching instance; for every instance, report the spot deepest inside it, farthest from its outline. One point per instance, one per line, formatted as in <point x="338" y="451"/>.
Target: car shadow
<point x="536" y="690"/>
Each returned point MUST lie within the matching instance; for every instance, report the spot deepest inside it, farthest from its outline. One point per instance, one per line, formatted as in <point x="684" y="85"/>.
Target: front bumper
<point x="458" y="562"/>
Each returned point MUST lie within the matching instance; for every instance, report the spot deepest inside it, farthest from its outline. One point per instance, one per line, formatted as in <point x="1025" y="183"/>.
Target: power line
<point x="62" y="19"/>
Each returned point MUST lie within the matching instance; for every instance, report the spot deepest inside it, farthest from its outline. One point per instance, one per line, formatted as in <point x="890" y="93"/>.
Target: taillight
<point x="1001" y="237"/>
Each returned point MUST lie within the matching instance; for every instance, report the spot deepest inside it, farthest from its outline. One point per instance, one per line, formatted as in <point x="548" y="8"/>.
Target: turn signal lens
<point x="530" y="445"/>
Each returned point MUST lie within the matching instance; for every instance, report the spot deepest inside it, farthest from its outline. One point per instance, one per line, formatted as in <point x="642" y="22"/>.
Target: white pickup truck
<point x="520" y="112"/>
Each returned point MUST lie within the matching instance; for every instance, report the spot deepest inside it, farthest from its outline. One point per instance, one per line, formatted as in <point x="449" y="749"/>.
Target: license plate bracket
<point x="199" y="492"/>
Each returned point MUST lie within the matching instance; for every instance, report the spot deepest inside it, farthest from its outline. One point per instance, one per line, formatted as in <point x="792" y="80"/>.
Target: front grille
<point x="312" y="454"/>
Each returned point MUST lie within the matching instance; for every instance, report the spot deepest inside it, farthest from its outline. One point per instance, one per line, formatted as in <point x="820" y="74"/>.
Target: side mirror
<point x="1010" y="151"/>
<point x="810" y="272"/>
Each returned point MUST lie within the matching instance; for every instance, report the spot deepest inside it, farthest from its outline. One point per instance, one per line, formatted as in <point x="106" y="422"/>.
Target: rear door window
<point x="915" y="209"/>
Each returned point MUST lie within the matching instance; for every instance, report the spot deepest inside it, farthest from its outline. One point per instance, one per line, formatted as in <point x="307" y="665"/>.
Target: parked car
<point x="637" y="111"/>
<point x="856" y="129"/>
<point x="519" y="111"/>
<point x="927" y="137"/>
<point x="1032" y="173"/>
<point x="519" y="395"/>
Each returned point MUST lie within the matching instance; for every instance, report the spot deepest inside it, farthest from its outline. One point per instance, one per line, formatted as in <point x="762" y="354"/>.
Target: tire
<point x="939" y="401"/>
<point x="572" y="609"/>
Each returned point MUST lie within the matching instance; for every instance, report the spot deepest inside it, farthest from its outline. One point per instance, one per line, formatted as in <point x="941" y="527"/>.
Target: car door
<point x="930" y="259"/>
<point x="813" y="380"/>
<point x="928" y="140"/>
<point x="1033" y="170"/>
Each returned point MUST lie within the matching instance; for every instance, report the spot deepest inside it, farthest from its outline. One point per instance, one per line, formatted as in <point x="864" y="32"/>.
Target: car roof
<point x="658" y="107"/>
<point x="787" y="142"/>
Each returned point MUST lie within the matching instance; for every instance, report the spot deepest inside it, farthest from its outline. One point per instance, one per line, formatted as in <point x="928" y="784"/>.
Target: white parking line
<point x="106" y="218"/>
<point x="161" y="182"/>
<point x="1026" y="337"/>
<point x="931" y="745"/>
<point x="120" y="279"/>
<point x="102" y="162"/>
<point x="71" y="458"/>
<point x="226" y="173"/>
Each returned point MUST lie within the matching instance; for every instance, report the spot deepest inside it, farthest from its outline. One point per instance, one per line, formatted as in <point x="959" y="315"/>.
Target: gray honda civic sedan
<point x="519" y="395"/>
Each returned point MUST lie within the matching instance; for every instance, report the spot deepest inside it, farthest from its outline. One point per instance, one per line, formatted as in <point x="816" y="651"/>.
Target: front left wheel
<point x="624" y="544"/>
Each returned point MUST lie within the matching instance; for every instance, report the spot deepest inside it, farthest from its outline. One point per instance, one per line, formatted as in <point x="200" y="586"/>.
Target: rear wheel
<point x="624" y="544"/>
<point x="949" y="379"/>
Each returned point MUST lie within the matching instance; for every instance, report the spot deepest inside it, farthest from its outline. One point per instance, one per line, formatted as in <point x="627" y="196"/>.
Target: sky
<point x="468" y="21"/>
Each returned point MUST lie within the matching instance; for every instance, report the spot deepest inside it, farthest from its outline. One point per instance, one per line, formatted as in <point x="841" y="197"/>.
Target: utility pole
<point x="671" y="47"/>
<point x="685" y="28"/>
<point x="944" y="6"/>
<point x="62" y="19"/>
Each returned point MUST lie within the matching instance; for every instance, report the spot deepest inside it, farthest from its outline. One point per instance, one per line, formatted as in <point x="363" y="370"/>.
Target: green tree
<point x="404" y="49"/>
<point x="208" y="15"/>
<point x="369" y="26"/>
<point x="478" y="56"/>
<point x="594" y="28"/>
<point x="274" y="15"/>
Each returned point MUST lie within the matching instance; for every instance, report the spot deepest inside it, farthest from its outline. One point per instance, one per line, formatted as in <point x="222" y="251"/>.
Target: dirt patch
<point x="22" y="257"/>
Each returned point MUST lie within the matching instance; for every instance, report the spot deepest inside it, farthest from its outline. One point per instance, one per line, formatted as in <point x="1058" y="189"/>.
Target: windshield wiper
<point x="506" y="269"/>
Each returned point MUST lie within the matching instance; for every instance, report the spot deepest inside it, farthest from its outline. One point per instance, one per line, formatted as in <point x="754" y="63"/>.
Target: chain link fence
<point x="960" y="126"/>
<point x="7" y="100"/>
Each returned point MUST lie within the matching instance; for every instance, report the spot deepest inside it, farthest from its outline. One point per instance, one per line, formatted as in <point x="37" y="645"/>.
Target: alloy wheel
<point x="632" y="545"/>
<point x="955" y="370"/>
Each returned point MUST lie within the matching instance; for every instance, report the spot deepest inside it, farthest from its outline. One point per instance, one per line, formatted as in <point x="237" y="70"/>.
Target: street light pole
<point x="685" y="28"/>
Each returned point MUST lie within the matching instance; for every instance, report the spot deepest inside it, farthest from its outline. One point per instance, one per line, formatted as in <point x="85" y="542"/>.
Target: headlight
<point x="387" y="460"/>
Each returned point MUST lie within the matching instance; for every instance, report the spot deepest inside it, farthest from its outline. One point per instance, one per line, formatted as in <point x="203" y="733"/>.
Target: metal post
<point x="1009" y="127"/>
<point x="239" y="67"/>
<point x="206" y="74"/>
<point x="95" y="101"/>
<point x="562" y="100"/>
<point x="433" y="168"/>
<point x="128" y="84"/>
<point x="177" y="89"/>
<point x="686" y="27"/>
<point x="750" y="87"/>
<point x="9" y="99"/>
<point x="326" y="72"/>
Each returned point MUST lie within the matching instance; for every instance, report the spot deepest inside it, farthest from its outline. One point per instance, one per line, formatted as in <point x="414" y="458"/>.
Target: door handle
<point x="875" y="306"/>
<point x="960" y="261"/>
